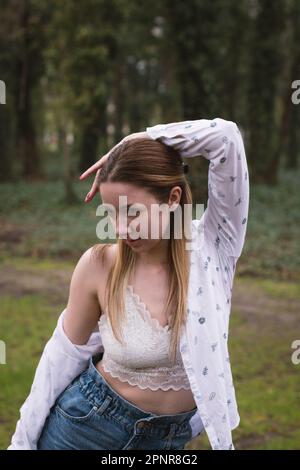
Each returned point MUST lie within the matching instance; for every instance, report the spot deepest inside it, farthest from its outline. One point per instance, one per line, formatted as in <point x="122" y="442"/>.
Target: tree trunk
<point x="26" y="136"/>
<point x="91" y="132"/>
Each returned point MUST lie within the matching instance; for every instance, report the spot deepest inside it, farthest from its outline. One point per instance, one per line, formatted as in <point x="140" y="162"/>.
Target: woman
<point x="162" y="309"/>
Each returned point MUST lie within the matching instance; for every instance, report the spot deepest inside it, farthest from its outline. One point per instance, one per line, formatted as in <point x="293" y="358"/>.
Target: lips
<point x="130" y="241"/>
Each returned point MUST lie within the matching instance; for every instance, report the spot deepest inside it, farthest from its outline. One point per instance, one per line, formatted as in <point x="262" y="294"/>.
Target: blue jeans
<point x="90" y="415"/>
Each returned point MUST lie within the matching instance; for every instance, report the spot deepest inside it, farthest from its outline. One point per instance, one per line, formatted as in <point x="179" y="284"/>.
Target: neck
<point x="157" y="256"/>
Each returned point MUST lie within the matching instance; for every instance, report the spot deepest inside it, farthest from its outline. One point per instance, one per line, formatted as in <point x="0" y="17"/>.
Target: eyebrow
<point x="137" y="204"/>
<point x="127" y="206"/>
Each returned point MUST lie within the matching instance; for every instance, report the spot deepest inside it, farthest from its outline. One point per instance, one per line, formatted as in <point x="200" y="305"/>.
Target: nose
<point x="121" y="230"/>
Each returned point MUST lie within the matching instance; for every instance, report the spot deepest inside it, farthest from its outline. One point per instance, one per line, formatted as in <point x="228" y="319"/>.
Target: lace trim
<point x="153" y="378"/>
<point x="146" y="315"/>
<point x="163" y="375"/>
<point x="145" y="312"/>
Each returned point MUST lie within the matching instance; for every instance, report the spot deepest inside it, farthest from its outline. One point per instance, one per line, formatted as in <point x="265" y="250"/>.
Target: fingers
<point x="91" y="170"/>
<point x="94" y="188"/>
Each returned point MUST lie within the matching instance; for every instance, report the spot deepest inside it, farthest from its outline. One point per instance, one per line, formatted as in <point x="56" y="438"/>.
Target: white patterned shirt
<point x="222" y="229"/>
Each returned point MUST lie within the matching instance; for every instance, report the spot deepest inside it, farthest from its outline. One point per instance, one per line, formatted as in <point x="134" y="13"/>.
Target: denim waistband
<point x="126" y="409"/>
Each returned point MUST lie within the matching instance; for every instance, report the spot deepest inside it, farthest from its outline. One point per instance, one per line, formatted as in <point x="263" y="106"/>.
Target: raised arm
<point x="220" y="142"/>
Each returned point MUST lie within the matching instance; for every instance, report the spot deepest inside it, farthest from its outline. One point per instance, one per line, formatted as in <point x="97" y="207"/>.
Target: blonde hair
<point x="157" y="168"/>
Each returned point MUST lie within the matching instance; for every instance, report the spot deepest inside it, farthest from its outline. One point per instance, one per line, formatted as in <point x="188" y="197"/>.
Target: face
<point x="135" y="213"/>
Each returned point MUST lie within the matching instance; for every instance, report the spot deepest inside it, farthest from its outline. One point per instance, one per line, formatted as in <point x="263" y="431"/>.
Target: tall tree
<point x="268" y="20"/>
<point x="84" y="35"/>
<point x="289" y="112"/>
<point x="31" y="17"/>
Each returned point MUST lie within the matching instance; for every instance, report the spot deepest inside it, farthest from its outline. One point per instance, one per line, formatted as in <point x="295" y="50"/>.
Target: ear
<point x="174" y="197"/>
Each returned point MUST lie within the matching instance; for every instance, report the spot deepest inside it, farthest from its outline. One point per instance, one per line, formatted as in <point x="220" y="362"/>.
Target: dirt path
<point x="249" y="299"/>
<point x="51" y="283"/>
<point x="260" y="307"/>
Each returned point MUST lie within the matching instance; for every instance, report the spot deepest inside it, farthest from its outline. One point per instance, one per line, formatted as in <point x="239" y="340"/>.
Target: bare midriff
<point x="152" y="401"/>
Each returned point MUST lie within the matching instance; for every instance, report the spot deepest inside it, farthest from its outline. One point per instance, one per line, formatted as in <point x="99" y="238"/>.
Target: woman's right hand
<point x="98" y="165"/>
<point x="95" y="167"/>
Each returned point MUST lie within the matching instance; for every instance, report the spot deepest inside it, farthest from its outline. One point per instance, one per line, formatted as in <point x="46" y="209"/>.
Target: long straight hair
<point x="156" y="167"/>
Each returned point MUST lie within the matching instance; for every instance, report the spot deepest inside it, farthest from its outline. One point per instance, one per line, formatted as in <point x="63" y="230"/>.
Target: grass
<point x="271" y="249"/>
<point x="36" y="222"/>
<point x="281" y="289"/>
<point x="25" y="324"/>
<point x="266" y="381"/>
<point x="267" y="385"/>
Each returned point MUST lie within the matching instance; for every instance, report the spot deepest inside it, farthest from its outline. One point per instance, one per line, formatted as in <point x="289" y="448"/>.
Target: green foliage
<point x="272" y="244"/>
<point x="25" y="324"/>
<point x="86" y="67"/>
<point x="37" y="222"/>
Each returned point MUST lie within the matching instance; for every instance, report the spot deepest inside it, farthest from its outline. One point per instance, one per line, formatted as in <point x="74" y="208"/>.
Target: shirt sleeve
<point x="219" y="141"/>
<point x="60" y="363"/>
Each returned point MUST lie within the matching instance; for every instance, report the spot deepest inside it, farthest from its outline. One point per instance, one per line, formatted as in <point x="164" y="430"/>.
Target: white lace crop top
<point x="143" y="357"/>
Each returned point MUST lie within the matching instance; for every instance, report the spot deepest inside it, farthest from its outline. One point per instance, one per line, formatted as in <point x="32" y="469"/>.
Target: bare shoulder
<point x="98" y="258"/>
<point x="102" y="257"/>
<point x="86" y="293"/>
